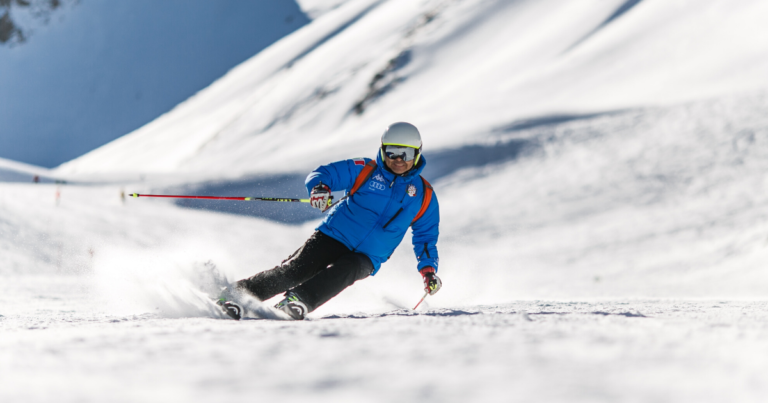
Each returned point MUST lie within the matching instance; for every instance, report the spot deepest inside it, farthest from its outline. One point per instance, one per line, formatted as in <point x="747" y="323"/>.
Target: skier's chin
<point x="398" y="168"/>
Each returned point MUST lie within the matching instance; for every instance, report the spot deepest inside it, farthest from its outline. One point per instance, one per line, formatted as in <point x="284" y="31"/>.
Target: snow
<point x="316" y="8"/>
<point x="581" y="351"/>
<point x="603" y="204"/>
<point x="471" y="53"/>
<point x="13" y="171"/>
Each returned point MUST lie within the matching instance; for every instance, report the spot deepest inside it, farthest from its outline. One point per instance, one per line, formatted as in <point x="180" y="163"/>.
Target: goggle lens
<point x="406" y="153"/>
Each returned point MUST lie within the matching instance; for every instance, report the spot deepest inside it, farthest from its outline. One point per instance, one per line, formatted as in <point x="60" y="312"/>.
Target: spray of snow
<point x="169" y="282"/>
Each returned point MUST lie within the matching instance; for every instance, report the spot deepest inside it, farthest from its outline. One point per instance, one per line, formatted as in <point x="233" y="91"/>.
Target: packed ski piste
<point x="384" y="197"/>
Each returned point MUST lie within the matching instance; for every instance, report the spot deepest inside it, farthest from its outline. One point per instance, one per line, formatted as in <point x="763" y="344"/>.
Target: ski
<point x="248" y="310"/>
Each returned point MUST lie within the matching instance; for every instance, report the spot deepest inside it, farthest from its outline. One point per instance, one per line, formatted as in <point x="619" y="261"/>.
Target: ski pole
<point x="421" y="300"/>
<point x="273" y="199"/>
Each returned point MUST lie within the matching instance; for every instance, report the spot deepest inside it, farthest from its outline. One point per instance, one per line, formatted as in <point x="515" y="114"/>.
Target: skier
<point x="384" y="197"/>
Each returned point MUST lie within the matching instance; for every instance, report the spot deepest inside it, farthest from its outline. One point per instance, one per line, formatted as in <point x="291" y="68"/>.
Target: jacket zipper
<point x="393" y="218"/>
<point x="377" y="223"/>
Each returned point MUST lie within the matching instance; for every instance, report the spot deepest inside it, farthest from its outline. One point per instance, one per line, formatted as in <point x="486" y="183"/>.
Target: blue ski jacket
<point x="373" y="221"/>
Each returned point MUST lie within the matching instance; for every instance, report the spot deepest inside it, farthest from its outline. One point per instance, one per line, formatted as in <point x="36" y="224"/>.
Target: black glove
<point x="432" y="283"/>
<point x="320" y="196"/>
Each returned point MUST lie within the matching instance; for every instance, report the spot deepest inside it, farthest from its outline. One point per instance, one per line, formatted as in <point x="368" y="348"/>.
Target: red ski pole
<point x="421" y="300"/>
<point x="273" y="199"/>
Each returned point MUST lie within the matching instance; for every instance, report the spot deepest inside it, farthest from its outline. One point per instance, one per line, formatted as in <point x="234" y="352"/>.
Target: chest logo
<point x="376" y="186"/>
<point x="379" y="178"/>
<point x="411" y="190"/>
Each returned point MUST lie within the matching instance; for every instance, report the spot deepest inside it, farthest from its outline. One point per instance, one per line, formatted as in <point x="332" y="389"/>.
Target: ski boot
<point x="292" y="306"/>
<point x="232" y="309"/>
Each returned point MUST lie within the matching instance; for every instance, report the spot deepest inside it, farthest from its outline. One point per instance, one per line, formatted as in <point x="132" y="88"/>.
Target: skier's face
<point x="397" y="165"/>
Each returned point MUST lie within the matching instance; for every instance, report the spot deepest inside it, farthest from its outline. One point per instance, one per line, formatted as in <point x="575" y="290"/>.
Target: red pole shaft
<point x="422" y="300"/>
<point x="192" y="197"/>
<point x="272" y="199"/>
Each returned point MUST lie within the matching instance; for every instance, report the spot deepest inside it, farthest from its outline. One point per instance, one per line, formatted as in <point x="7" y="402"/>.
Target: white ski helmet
<point x="404" y="135"/>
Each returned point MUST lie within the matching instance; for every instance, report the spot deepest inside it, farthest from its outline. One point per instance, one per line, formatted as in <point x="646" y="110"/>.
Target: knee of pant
<point x="360" y="263"/>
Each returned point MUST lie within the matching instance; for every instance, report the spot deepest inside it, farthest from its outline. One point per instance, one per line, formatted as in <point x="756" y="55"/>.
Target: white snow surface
<point x="606" y="351"/>
<point x="13" y="171"/>
<point x="315" y="8"/>
<point x="604" y="218"/>
<point x="456" y="69"/>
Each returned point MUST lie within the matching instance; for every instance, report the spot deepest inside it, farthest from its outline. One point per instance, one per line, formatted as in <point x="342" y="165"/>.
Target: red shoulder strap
<point x="425" y="200"/>
<point x="363" y="177"/>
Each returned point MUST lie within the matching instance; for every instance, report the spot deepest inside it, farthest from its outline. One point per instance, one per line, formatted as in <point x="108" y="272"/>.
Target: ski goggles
<point x="394" y="152"/>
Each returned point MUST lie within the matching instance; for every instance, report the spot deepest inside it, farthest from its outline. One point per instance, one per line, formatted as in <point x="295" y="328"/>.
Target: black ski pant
<point x="321" y="269"/>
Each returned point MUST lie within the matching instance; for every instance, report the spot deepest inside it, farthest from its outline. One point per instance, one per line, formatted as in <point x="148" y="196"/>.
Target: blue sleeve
<point x="425" y="232"/>
<point x="338" y="176"/>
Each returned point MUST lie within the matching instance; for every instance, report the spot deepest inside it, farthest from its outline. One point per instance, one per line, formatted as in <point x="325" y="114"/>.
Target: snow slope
<point x="315" y="8"/>
<point x="571" y="179"/>
<point x="604" y="217"/>
<point x="652" y="202"/>
<point x="12" y="171"/>
<point x="544" y="351"/>
<point x="457" y="69"/>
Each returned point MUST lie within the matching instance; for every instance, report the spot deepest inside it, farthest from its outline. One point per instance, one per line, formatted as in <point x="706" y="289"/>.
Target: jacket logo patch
<point x="411" y="190"/>
<point x="376" y="186"/>
<point x="379" y="178"/>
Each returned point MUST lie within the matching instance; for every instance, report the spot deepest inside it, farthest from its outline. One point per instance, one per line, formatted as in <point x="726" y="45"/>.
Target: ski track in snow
<point x="576" y="351"/>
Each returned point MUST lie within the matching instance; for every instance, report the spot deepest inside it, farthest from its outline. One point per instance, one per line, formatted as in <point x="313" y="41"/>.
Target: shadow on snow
<point x="282" y="186"/>
<point x="440" y="163"/>
<point x="459" y="312"/>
